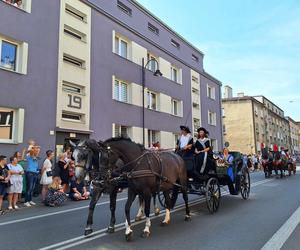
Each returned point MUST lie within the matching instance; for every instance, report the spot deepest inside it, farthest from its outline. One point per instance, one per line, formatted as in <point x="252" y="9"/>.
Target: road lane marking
<point x="283" y="233"/>
<point x="102" y="232"/>
<point x="55" y="213"/>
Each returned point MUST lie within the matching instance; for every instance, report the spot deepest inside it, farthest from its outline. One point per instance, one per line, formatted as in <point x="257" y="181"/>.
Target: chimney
<point x="241" y="94"/>
<point x="227" y="92"/>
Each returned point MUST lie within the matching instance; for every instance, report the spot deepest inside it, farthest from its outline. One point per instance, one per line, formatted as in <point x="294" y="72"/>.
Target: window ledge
<point x="12" y="71"/>
<point x="84" y="68"/>
<point x="178" y="116"/>
<point x="12" y="142"/>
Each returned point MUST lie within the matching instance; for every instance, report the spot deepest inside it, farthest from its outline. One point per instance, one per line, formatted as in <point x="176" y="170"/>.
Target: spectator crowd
<point x="26" y="174"/>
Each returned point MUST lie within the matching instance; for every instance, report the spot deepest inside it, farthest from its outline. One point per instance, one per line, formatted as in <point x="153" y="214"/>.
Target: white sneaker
<point x="27" y="204"/>
<point x="16" y="207"/>
<point x="32" y="203"/>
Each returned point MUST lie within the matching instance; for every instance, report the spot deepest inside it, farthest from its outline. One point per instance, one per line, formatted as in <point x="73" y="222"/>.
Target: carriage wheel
<point x="161" y="199"/>
<point x="245" y="185"/>
<point x="213" y="195"/>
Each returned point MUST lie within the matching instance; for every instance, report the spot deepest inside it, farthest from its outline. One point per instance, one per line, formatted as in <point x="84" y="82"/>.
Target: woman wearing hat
<point x="185" y="143"/>
<point x="203" y="151"/>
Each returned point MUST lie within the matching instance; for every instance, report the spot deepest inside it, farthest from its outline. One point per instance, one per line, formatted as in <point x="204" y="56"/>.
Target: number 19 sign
<point x="74" y="102"/>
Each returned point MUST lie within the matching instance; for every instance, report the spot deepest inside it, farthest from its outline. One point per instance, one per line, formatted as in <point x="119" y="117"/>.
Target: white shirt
<point x="184" y="140"/>
<point x="15" y="177"/>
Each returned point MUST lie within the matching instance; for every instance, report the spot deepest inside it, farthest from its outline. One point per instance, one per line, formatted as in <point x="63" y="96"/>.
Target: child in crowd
<point x="78" y="190"/>
<point x="55" y="196"/>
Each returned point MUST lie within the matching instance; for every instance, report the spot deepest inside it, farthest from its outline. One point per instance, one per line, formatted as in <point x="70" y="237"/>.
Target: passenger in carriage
<point x="185" y="143"/>
<point x="203" y="152"/>
<point x="228" y="158"/>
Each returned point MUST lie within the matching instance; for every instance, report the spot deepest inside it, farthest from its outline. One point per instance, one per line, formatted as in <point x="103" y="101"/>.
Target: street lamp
<point x="156" y="73"/>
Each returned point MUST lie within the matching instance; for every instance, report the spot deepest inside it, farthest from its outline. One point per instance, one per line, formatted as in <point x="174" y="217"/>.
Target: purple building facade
<point x="78" y="74"/>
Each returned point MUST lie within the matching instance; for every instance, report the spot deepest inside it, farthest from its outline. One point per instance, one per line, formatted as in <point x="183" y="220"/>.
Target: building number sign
<point x="74" y="102"/>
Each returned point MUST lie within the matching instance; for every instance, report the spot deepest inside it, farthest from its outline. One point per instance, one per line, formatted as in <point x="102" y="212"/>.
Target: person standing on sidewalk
<point x="46" y="173"/>
<point x="31" y="175"/>
<point x="16" y="181"/>
<point x="4" y="180"/>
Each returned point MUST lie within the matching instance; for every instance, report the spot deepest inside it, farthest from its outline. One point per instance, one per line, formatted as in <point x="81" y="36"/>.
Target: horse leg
<point x="174" y="196"/>
<point x="95" y="197"/>
<point x="113" y="201"/>
<point x="140" y="213"/>
<point x="130" y="199"/>
<point x="186" y="201"/>
<point x="146" y="231"/>
<point x="167" y="219"/>
<point x="156" y="208"/>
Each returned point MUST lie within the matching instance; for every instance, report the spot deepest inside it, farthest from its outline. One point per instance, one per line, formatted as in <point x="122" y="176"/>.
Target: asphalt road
<point x="268" y="219"/>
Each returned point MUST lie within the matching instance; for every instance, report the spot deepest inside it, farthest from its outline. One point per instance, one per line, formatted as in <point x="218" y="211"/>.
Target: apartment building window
<point x="176" y="107"/>
<point x="11" y="125"/>
<point x="124" y="8"/>
<point x="152" y="65"/>
<point x="195" y="58"/>
<point x="211" y="93"/>
<point x="224" y="129"/>
<point x="153" y="29"/>
<point x="121" y="131"/>
<point x="24" y="4"/>
<point x="75" y="13"/>
<point x="174" y="74"/>
<point x="74" y="33"/>
<point x="121" y="47"/>
<point x="151" y="100"/>
<point x="153" y="137"/>
<point x="121" y="91"/>
<point x="73" y="117"/>
<point x="70" y="87"/>
<point x="214" y="144"/>
<point x="175" y="44"/>
<point x="73" y="61"/>
<point x="212" y="118"/>
<point x="223" y="112"/>
<point x="8" y="55"/>
<point x="195" y="79"/>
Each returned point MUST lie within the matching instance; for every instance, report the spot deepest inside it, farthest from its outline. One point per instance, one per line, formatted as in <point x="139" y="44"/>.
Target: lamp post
<point x="156" y="73"/>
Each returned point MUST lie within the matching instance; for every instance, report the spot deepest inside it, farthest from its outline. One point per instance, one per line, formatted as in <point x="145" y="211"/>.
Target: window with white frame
<point x="73" y="61"/>
<point x="11" y="125"/>
<point x="223" y="112"/>
<point x="13" y="55"/>
<point x="224" y="129"/>
<point x="212" y="118"/>
<point x="121" y="131"/>
<point x="153" y="137"/>
<point x="195" y="79"/>
<point x="174" y="74"/>
<point x="214" y="145"/>
<point x="121" y="47"/>
<point x="151" y="100"/>
<point x="121" y="91"/>
<point x="211" y="93"/>
<point x="75" y="13"/>
<point x="22" y="4"/>
<point x="72" y="117"/>
<point x="152" y="65"/>
<point x="8" y="55"/>
<point x="176" y="107"/>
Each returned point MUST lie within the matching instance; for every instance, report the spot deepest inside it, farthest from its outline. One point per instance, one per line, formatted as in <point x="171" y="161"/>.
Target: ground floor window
<point x="122" y="131"/>
<point x="214" y="144"/>
<point x="153" y="137"/>
<point x="11" y="125"/>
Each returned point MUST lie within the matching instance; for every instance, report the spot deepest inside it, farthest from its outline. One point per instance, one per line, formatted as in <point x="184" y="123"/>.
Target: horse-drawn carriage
<point x="276" y="161"/>
<point x="209" y="184"/>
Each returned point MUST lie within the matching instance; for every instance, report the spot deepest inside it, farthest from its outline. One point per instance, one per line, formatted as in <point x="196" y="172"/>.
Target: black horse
<point x="87" y="161"/>
<point x="148" y="172"/>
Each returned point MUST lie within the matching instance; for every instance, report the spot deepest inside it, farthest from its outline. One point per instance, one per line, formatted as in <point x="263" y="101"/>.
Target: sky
<point x="251" y="45"/>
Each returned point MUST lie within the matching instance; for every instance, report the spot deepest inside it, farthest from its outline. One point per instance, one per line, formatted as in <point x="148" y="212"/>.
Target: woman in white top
<point x="16" y="181"/>
<point x="46" y="178"/>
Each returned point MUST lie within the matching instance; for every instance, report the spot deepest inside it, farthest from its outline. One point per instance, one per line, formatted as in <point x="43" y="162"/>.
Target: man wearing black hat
<point x="185" y="143"/>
